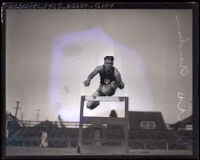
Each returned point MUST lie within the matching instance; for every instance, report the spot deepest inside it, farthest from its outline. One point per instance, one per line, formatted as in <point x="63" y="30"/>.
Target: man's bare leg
<point x="94" y="104"/>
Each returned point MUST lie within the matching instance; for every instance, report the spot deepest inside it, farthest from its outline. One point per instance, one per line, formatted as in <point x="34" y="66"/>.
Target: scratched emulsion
<point x="183" y="106"/>
<point x="84" y="51"/>
<point x="52" y="5"/>
<point x="181" y="42"/>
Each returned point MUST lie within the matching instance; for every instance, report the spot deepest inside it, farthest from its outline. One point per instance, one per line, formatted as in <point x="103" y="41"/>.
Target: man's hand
<point x="113" y="85"/>
<point x="121" y="85"/>
<point x="86" y="83"/>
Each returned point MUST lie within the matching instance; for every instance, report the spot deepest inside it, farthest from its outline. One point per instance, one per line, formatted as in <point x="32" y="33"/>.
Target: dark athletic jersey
<point x="107" y="78"/>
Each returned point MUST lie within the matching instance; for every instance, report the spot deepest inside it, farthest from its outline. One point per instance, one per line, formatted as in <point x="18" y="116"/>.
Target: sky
<point x="49" y="54"/>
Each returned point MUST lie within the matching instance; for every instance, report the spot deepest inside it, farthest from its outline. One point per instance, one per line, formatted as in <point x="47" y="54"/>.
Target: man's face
<point x="108" y="64"/>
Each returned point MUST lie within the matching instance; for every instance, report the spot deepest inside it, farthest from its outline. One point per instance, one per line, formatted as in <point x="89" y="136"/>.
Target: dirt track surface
<point x="26" y="151"/>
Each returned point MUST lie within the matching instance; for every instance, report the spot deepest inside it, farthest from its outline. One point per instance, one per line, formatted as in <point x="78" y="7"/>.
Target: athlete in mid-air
<point x="110" y="80"/>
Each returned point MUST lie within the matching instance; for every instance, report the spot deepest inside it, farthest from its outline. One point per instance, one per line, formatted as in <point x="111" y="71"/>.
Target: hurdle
<point x="123" y="121"/>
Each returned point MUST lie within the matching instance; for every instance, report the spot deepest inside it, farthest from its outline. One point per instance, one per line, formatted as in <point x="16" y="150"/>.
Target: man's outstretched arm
<point x="119" y="82"/>
<point x="91" y="75"/>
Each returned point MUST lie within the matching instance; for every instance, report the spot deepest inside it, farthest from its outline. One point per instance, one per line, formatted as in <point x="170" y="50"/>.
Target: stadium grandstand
<point x="147" y="130"/>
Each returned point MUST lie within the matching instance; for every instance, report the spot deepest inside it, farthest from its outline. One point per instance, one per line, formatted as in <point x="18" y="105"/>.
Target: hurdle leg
<point x="81" y="122"/>
<point x="126" y="124"/>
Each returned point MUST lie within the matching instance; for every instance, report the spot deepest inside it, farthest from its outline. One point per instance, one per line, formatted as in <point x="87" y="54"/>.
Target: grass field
<point x="25" y="151"/>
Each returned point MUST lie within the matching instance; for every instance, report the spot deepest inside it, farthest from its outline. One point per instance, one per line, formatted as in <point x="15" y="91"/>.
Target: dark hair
<point x="109" y="58"/>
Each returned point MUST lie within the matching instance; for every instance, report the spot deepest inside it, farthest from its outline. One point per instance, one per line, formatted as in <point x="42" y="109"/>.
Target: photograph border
<point x="106" y="5"/>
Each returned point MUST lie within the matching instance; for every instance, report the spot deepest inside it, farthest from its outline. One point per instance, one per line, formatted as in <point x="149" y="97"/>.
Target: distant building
<point x="185" y="124"/>
<point x="12" y="124"/>
<point x="146" y="120"/>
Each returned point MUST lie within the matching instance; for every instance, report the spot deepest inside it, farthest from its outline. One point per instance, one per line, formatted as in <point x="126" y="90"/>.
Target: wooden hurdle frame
<point x="104" y="120"/>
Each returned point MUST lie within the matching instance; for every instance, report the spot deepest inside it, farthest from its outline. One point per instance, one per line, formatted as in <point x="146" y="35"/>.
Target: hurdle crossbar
<point x="105" y="99"/>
